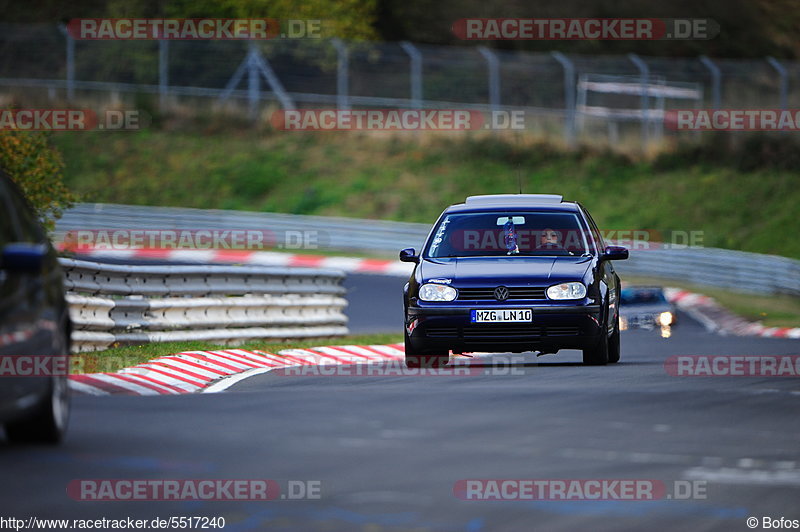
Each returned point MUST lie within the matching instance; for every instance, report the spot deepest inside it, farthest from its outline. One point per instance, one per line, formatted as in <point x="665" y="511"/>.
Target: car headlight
<point x="437" y="292"/>
<point x="665" y="318"/>
<point x="567" y="291"/>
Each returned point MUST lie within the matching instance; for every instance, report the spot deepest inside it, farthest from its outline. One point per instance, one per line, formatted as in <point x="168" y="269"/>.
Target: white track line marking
<point x="226" y="382"/>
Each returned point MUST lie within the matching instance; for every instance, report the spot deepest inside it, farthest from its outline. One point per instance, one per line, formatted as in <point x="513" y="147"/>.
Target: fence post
<point x="784" y="81"/>
<point x="253" y="82"/>
<point x="70" y="49"/>
<point x="163" y="73"/>
<point x="644" y="77"/>
<point x="415" y="73"/>
<point x="716" y="80"/>
<point x="569" y="96"/>
<point x="263" y="66"/>
<point x="342" y="74"/>
<point x="494" y="77"/>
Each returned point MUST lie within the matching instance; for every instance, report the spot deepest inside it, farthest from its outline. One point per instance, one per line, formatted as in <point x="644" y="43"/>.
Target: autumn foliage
<point x="38" y="169"/>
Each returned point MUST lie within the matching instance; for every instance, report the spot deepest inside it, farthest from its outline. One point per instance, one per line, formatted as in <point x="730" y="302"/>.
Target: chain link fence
<point x="43" y="62"/>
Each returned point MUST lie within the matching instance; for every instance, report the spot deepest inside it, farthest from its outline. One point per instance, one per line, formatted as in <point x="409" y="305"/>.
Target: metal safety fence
<point x="551" y="88"/>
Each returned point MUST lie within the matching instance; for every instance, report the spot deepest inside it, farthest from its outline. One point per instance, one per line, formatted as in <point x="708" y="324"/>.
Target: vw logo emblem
<point x="501" y="293"/>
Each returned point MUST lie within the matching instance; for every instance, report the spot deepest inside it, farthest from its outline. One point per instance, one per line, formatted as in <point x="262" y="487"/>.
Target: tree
<point x="38" y="169"/>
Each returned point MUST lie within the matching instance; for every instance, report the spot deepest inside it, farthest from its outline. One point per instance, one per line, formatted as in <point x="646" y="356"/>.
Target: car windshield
<point x="519" y="233"/>
<point x="640" y="296"/>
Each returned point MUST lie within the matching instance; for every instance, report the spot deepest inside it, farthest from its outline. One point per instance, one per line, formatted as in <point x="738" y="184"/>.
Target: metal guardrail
<point x="723" y="268"/>
<point x="737" y="270"/>
<point x="126" y="304"/>
<point x="346" y="234"/>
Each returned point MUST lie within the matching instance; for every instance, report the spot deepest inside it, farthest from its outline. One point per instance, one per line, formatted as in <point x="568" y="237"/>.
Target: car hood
<point x="505" y="270"/>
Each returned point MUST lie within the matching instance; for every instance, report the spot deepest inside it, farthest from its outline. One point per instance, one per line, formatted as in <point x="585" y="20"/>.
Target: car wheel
<point x="597" y="355"/>
<point x="613" y="345"/>
<point x="48" y="423"/>
<point x="419" y="359"/>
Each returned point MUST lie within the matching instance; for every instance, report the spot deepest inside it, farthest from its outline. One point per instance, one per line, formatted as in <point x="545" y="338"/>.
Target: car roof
<point x="504" y="202"/>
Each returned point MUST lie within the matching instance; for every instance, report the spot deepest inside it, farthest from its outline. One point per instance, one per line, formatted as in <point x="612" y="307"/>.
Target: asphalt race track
<point x="388" y="450"/>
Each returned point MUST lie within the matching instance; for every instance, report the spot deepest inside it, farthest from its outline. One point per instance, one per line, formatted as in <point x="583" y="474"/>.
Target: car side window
<point x="596" y="236"/>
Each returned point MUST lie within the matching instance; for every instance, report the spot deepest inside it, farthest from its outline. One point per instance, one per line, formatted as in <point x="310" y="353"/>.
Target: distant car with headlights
<point x="645" y="307"/>
<point x="512" y="273"/>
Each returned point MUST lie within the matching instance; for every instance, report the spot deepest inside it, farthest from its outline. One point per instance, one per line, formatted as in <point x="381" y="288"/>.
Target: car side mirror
<point x="409" y="255"/>
<point x="23" y="257"/>
<point x="614" y="253"/>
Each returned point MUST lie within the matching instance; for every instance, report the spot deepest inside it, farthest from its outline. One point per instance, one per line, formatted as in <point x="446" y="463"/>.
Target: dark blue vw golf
<point x="512" y="273"/>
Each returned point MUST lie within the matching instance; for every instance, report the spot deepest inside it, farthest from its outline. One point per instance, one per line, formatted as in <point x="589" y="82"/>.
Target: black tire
<point x="597" y="355"/>
<point x="613" y="345"/>
<point x="48" y="423"/>
<point x="424" y="359"/>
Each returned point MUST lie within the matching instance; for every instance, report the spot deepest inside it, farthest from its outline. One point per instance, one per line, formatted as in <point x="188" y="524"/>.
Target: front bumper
<point x="553" y="327"/>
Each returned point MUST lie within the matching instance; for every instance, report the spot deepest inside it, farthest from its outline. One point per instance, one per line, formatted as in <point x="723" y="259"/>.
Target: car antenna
<point x="519" y="178"/>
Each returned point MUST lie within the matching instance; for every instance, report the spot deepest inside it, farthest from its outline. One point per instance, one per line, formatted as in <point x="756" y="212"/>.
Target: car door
<point x="607" y="273"/>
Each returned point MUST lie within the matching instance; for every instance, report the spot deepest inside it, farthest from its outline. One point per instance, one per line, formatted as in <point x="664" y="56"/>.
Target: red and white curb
<point x="717" y="319"/>
<point x="214" y="371"/>
<point x="261" y="258"/>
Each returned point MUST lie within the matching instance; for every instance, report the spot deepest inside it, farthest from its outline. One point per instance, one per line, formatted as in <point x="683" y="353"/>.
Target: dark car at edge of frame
<point x="34" y="326"/>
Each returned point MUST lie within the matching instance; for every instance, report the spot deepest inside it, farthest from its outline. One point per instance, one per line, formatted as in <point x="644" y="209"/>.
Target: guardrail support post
<point x="342" y="74"/>
<point x="494" y="77"/>
<point x="569" y="97"/>
<point x="716" y="80"/>
<point x="415" y="73"/>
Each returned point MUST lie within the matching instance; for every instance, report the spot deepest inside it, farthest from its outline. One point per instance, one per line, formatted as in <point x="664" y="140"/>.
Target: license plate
<point x="501" y="315"/>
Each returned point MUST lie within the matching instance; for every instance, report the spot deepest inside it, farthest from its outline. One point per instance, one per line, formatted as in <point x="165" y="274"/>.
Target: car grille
<point x="496" y="332"/>
<point x="487" y="294"/>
